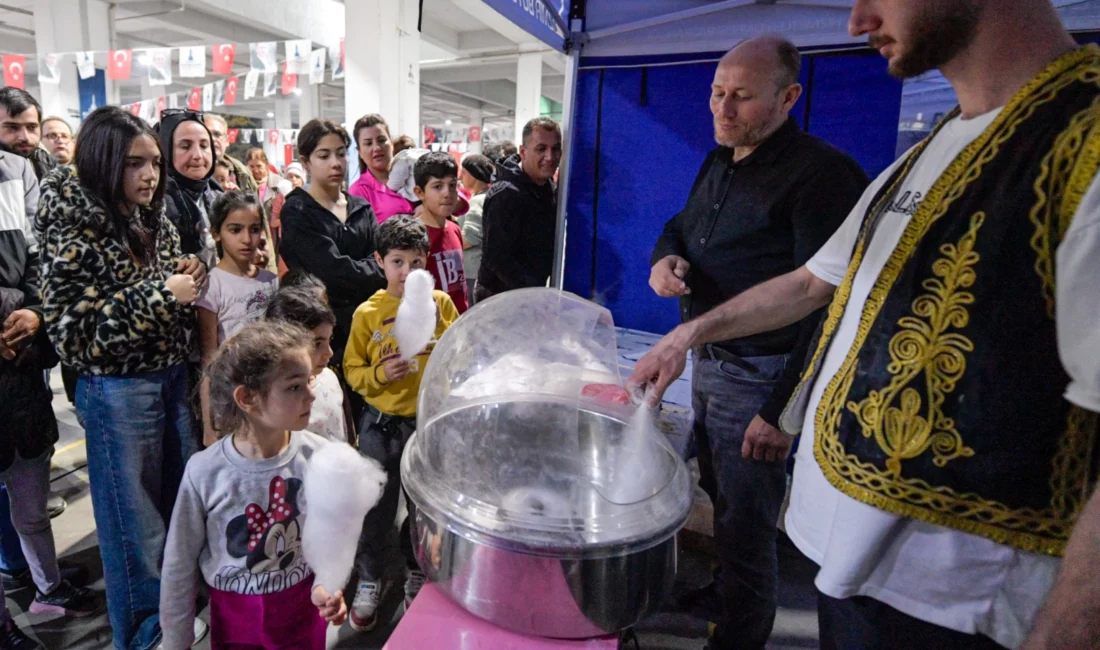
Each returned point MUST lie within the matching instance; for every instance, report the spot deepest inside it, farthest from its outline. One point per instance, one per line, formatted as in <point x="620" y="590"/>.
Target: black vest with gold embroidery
<point x="948" y="407"/>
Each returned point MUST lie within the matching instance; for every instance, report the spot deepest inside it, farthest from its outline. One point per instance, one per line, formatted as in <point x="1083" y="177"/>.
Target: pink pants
<point x="285" y="620"/>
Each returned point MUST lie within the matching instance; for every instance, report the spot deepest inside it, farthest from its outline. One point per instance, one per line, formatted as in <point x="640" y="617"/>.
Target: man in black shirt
<point x="764" y="201"/>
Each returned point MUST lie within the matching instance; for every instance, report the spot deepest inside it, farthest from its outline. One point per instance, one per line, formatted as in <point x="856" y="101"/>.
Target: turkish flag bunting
<point x="288" y="154"/>
<point x="232" y="135"/>
<point x="162" y="103"/>
<point x="14" y="67"/>
<point x="290" y="81"/>
<point x="119" y="68"/>
<point x="231" y="90"/>
<point x="273" y="136"/>
<point x="223" y="58"/>
<point x="194" y="99"/>
<point x="135" y="108"/>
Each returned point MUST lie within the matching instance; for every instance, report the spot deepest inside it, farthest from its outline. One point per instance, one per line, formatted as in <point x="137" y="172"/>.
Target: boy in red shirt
<point x="436" y="177"/>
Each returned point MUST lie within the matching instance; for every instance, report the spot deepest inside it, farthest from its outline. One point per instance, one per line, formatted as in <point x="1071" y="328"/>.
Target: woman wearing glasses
<point x="116" y="294"/>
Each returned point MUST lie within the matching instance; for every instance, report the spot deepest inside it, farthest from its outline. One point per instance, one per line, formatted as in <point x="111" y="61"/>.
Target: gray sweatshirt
<point x="237" y="521"/>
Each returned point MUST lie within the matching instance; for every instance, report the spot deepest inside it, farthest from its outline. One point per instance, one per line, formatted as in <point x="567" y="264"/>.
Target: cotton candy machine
<point x="539" y="508"/>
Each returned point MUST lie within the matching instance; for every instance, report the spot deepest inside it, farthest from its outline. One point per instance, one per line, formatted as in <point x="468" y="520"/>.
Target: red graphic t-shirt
<point x="445" y="263"/>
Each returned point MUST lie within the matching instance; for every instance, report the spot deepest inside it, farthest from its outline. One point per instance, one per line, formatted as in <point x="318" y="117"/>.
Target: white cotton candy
<point x="415" y="323"/>
<point x="630" y="477"/>
<point x="340" y="489"/>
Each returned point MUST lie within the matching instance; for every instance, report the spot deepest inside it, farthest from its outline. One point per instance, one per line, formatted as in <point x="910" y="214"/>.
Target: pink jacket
<point x="384" y="201"/>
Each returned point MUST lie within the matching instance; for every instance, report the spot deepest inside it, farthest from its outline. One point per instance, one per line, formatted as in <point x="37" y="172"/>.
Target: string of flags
<point x="300" y="58"/>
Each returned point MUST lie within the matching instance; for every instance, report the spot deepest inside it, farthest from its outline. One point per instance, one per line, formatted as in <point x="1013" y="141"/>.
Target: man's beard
<point x="939" y="33"/>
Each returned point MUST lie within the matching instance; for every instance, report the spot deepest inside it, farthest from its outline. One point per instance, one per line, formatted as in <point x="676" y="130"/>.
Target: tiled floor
<point x="74" y="531"/>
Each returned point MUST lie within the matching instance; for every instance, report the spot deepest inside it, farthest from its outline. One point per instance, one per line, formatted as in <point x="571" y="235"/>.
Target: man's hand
<point x="765" y="442"/>
<point x="19" y="329"/>
<point x="667" y="277"/>
<point x="194" y="267"/>
<point x="660" y="366"/>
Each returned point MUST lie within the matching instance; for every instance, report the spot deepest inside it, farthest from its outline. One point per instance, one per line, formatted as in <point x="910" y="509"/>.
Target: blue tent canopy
<point x="638" y="126"/>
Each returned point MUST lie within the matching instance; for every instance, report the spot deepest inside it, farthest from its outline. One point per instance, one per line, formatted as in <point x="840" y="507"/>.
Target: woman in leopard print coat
<point x="116" y="298"/>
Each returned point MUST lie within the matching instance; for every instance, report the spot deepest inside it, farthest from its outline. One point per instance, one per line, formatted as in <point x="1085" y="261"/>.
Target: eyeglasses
<point x="58" y="137"/>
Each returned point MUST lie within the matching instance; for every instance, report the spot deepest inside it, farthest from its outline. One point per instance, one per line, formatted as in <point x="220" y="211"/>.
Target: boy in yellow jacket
<point x="374" y="369"/>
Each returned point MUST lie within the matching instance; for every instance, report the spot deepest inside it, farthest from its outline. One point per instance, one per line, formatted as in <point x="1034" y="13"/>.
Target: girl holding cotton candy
<point x="240" y="518"/>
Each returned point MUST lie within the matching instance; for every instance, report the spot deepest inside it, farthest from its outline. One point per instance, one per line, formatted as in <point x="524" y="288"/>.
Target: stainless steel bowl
<point x="514" y="525"/>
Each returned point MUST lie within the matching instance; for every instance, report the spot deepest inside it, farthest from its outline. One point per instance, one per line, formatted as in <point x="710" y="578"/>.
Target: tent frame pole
<point x="673" y="17"/>
<point x="569" y="112"/>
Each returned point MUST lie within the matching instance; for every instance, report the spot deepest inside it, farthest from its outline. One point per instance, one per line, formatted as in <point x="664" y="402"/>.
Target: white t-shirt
<point x="237" y="300"/>
<point x="326" y="419"/>
<point x="946" y="577"/>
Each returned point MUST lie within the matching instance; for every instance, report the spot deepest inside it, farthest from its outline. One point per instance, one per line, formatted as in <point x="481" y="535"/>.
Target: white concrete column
<point x="283" y="120"/>
<point x="309" y="104"/>
<point x="68" y="26"/>
<point x="528" y="90"/>
<point x="382" y="63"/>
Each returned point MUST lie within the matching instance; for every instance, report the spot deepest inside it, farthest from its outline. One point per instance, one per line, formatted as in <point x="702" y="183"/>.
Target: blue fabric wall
<point x="637" y="149"/>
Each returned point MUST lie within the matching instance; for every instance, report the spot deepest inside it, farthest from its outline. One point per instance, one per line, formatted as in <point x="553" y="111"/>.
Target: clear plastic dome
<point x="524" y="434"/>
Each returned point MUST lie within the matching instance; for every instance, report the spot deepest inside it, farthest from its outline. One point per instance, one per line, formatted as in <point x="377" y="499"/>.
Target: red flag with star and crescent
<point x="162" y="103"/>
<point x="120" y="61"/>
<point x="273" y="136"/>
<point x="15" y="66"/>
<point x="231" y="90"/>
<point x="232" y="134"/>
<point x="223" y="58"/>
<point x="290" y="81"/>
<point x="194" y="99"/>
<point x="135" y="109"/>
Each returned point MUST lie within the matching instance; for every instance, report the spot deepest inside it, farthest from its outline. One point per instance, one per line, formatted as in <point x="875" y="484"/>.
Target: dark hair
<point x="402" y="143"/>
<point x="542" y="124"/>
<point x="433" y="165"/>
<point x="310" y="136"/>
<point x="402" y="233"/>
<point x="100" y="162"/>
<point x="250" y="359"/>
<point x="498" y="152"/>
<point x="222" y="163"/>
<point x="300" y="278"/>
<point x="479" y="167"/>
<point x="301" y="306"/>
<point x="365" y="122"/>
<point x="15" y="101"/>
<point x="252" y="154"/>
<point x="228" y="203"/>
<point x="54" y="118"/>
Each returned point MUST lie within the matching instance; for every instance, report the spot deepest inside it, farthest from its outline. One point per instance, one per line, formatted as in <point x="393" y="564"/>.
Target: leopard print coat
<point x="106" y="314"/>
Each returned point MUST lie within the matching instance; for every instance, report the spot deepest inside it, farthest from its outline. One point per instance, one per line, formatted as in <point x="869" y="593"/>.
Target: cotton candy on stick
<point x="340" y="488"/>
<point x="415" y="322"/>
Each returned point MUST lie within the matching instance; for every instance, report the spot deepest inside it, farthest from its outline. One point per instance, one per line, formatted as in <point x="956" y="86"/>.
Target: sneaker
<point x="364" y="609"/>
<point x="67" y="600"/>
<point x="55" y="505"/>
<point x="201" y="629"/>
<point x="74" y="574"/>
<point x="414" y="580"/>
<point x="12" y="638"/>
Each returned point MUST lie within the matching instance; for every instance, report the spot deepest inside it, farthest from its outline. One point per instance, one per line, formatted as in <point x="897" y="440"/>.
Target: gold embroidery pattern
<point x="924" y="346"/>
<point x="1041" y="531"/>
<point x="1067" y="172"/>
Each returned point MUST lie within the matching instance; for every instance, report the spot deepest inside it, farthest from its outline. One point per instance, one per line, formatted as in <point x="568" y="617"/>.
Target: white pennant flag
<point x="219" y="92"/>
<point x="270" y="82"/>
<point x="148" y="111"/>
<point x="317" y="66"/>
<point x="174" y="100"/>
<point x="193" y="61"/>
<point x="297" y="55"/>
<point x="336" y="61"/>
<point x="262" y="135"/>
<point x="246" y="136"/>
<point x="49" y="69"/>
<point x="160" y="66"/>
<point x="262" y="56"/>
<point x="208" y="97"/>
<point x="250" y="81"/>
<point x="85" y="64"/>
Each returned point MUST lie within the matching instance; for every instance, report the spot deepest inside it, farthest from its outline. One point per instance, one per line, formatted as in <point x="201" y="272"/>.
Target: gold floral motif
<point x="924" y="346"/>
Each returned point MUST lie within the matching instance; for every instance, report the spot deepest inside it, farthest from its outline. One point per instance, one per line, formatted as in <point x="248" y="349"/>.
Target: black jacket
<point x="185" y="219"/>
<point x="518" y="230"/>
<point x="340" y="254"/>
<point x="27" y="423"/>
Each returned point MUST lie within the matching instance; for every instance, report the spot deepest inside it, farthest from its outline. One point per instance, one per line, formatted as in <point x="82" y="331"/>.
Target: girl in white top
<point x="238" y="290"/>
<point x="303" y="304"/>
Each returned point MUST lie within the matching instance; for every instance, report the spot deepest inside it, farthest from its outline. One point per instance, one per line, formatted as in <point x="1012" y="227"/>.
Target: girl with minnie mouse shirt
<point x="239" y="516"/>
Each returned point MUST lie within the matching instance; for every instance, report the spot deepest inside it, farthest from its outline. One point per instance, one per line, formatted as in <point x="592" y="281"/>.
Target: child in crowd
<point x="238" y="519"/>
<point x="373" y="368"/>
<point x="224" y="176"/>
<point x="305" y="307"/>
<point x="436" y="178"/>
<point x="238" y="289"/>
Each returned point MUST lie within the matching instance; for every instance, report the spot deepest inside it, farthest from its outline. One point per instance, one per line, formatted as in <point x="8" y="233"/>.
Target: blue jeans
<point x="140" y="432"/>
<point x="12" y="559"/>
<point x="747" y="494"/>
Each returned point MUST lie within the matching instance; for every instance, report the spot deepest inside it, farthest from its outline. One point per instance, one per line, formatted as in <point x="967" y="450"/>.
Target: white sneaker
<point x="201" y="630"/>
<point x="414" y="580"/>
<point x="364" y="609"/>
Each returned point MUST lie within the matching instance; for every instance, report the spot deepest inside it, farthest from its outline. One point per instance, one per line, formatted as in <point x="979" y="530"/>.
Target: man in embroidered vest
<point x="949" y="405"/>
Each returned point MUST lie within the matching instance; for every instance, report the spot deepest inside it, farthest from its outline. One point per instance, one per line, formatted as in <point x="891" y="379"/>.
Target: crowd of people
<point x="931" y="334"/>
<point x="203" y="308"/>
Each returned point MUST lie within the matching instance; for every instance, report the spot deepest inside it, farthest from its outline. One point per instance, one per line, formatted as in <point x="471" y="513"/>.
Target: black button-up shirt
<point x="749" y="221"/>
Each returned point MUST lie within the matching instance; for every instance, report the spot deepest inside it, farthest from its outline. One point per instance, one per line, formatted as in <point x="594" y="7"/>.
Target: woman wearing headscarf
<point x="189" y="191"/>
<point x="476" y="174"/>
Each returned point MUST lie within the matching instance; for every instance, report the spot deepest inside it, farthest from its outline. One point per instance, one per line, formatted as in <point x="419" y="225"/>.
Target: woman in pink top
<point x="372" y="137"/>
